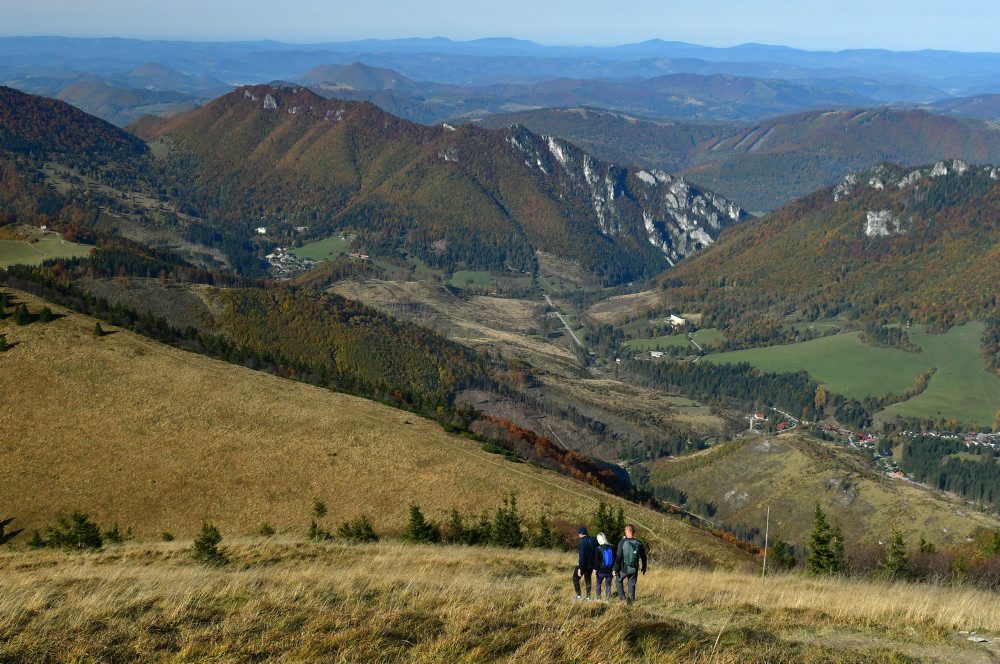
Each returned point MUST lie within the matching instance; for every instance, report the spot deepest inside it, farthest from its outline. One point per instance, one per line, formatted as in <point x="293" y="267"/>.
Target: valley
<point x="391" y="319"/>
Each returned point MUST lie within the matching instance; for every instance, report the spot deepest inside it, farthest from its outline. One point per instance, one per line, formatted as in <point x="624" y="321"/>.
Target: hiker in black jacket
<point x="585" y="565"/>
<point x="629" y="560"/>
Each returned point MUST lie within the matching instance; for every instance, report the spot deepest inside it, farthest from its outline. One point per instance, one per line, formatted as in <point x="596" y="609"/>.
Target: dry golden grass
<point x="154" y="438"/>
<point x="618" y="309"/>
<point x="287" y="600"/>
<point x="794" y="471"/>
<point x="476" y="321"/>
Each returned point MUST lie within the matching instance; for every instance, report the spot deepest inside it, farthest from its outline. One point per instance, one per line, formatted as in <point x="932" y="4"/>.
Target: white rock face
<point x="882" y="223"/>
<point x="270" y="102"/>
<point x="677" y="219"/>
<point x="939" y="169"/>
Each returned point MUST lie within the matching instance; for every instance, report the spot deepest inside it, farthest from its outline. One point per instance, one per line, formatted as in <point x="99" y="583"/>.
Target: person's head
<point x="582" y="532"/>
<point x="629" y="530"/>
<point x="602" y="539"/>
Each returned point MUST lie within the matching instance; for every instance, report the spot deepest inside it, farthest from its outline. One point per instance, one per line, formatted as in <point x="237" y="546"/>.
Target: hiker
<point x="585" y="565"/>
<point x="604" y="563"/>
<point x="630" y="558"/>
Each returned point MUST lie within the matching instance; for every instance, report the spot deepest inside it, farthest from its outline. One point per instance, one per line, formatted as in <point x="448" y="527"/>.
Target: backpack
<point x="630" y="552"/>
<point x="607" y="554"/>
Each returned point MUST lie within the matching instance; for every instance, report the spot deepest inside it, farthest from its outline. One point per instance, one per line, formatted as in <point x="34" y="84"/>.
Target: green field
<point x="961" y="388"/>
<point x="325" y="249"/>
<point x="18" y="252"/>
<point x="471" y="279"/>
<point x="705" y="338"/>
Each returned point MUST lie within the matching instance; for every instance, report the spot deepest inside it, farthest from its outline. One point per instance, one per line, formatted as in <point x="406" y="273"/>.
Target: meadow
<point x="286" y="599"/>
<point x="158" y="439"/>
<point x="325" y="249"/>
<point x="706" y="338"/>
<point x="20" y="252"/>
<point x="961" y="387"/>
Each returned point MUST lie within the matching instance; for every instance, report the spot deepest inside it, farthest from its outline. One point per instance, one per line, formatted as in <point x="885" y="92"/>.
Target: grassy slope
<point x="14" y="252"/>
<point x="961" y="388"/>
<point x="792" y="472"/>
<point x="160" y="439"/>
<point x="290" y="600"/>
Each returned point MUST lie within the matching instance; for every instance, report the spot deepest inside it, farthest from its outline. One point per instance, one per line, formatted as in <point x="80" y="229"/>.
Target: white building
<point x="676" y="321"/>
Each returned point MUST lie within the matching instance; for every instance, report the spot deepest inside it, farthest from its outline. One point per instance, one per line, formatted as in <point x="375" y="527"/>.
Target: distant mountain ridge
<point x="765" y="165"/>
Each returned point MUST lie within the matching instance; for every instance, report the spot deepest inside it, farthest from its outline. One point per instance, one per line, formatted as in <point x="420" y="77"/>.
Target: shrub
<point x="507" y="525"/>
<point x="98" y="330"/>
<point x="266" y="530"/>
<point x="206" y="546"/>
<point x="470" y="530"/>
<point x="21" y="315"/>
<point x="359" y="530"/>
<point x="45" y="315"/>
<point x="76" y="533"/>
<point x="167" y="536"/>
<point x="420" y="529"/>
<point x="542" y="536"/>
<point x="114" y="535"/>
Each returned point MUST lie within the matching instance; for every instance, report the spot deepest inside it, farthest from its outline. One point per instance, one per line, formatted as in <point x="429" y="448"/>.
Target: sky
<point x="962" y="25"/>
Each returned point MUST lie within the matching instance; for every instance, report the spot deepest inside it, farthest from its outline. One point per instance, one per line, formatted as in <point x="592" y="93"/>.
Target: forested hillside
<point x="893" y="243"/>
<point x="288" y="159"/>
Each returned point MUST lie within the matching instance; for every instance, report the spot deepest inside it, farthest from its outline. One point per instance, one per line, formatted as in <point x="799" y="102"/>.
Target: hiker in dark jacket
<point x="604" y="563"/>
<point x="629" y="560"/>
<point x="585" y="565"/>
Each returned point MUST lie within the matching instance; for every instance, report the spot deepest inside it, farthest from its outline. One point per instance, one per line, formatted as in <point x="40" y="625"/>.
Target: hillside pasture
<point x="158" y="439"/>
<point x="49" y="245"/>
<point x="961" y="388"/>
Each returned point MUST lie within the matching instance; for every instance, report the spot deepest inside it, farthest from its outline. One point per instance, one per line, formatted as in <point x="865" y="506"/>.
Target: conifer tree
<point x="206" y="546"/>
<point x="506" y="530"/>
<point x="820" y="560"/>
<point x="98" y="330"/>
<point x="781" y="557"/>
<point x="897" y="561"/>
<point x="21" y="315"/>
<point x="420" y="529"/>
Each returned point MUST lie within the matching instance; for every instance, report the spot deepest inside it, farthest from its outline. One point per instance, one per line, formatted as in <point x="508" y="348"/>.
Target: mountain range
<point x="764" y="165"/>
<point x="452" y="196"/>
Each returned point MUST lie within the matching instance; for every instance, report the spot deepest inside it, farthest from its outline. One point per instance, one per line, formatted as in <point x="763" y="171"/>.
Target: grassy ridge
<point x="159" y="439"/>
<point x="792" y="472"/>
<point x="286" y="599"/>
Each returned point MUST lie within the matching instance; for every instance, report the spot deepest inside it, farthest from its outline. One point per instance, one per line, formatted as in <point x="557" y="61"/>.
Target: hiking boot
<point x="577" y="599"/>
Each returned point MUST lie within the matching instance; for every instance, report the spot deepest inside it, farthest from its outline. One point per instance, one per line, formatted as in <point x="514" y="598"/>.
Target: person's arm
<point x="580" y="552"/>
<point x="642" y="557"/>
<point x="618" y="558"/>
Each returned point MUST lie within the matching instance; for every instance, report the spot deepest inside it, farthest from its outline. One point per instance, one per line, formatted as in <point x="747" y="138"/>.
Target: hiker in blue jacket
<point x="629" y="560"/>
<point x="585" y="565"/>
<point x="604" y="562"/>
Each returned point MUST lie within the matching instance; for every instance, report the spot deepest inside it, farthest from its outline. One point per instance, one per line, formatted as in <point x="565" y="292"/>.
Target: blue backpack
<point x="607" y="557"/>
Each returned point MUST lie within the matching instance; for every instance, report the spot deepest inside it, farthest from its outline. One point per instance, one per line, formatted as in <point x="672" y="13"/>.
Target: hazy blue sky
<point x="897" y="24"/>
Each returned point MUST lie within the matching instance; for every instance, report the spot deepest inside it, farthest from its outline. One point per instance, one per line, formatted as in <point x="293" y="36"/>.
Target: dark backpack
<point x="630" y="552"/>
<point x="606" y="553"/>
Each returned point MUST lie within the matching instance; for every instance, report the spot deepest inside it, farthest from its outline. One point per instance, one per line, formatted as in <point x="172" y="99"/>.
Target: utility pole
<point x="767" y="529"/>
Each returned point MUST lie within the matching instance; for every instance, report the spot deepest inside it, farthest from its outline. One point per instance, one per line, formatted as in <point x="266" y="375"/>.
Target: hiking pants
<point x="604" y="578"/>
<point x="630" y="574"/>
<point x="586" y="577"/>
